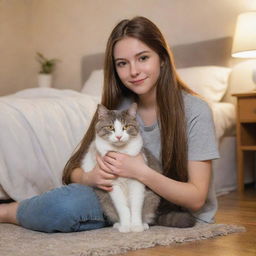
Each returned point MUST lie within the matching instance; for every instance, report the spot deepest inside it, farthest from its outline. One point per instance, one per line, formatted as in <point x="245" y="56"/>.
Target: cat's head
<point x="117" y="127"/>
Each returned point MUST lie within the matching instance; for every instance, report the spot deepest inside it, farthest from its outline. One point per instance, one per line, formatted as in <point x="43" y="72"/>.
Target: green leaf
<point x="47" y="65"/>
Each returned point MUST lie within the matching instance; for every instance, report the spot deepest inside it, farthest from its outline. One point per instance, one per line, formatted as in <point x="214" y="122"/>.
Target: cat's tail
<point x="176" y="219"/>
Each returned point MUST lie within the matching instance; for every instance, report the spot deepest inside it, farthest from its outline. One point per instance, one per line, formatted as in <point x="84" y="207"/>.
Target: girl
<point x="176" y="126"/>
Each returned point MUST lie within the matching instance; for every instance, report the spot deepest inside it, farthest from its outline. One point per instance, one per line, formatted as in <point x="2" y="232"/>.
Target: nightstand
<point x="246" y="131"/>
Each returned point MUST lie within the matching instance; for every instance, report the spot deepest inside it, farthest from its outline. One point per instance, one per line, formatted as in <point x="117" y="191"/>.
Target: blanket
<point x="224" y="117"/>
<point x="40" y="128"/>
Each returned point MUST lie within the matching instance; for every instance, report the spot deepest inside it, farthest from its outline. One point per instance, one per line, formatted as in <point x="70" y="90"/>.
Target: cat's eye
<point x="110" y="127"/>
<point x="126" y="127"/>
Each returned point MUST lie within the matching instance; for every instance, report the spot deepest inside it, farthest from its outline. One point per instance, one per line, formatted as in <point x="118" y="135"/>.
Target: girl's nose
<point x="134" y="70"/>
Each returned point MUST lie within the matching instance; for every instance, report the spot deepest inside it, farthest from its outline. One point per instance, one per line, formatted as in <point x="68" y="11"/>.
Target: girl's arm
<point x="191" y="194"/>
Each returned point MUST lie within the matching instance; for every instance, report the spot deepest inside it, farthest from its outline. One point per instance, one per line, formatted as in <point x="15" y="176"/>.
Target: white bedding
<point x="224" y="115"/>
<point x="40" y="129"/>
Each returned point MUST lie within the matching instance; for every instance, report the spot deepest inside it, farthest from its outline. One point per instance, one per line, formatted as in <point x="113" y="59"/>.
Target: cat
<point x="130" y="205"/>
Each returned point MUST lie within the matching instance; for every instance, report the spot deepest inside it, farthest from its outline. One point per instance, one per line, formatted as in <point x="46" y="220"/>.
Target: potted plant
<point x="47" y="67"/>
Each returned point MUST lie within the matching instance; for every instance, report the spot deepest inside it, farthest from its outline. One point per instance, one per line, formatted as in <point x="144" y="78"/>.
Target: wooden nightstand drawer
<point x="246" y="133"/>
<point x="247" y="109"/>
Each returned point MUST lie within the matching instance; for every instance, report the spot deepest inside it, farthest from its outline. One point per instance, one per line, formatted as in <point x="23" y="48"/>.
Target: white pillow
<point x="211" y="82"/>
<point x="94" y="84"/>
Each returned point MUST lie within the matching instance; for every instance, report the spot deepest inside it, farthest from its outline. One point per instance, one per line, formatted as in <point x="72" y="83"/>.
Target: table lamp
<point x="244" y="41"/>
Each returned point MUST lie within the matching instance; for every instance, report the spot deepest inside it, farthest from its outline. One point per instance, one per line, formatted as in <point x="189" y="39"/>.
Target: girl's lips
<point x="138" y="81"/>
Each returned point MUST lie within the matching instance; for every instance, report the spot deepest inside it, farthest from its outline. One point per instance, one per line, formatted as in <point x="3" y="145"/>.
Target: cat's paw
<point x="122" y="228"/>
<point x="138" y="228"/>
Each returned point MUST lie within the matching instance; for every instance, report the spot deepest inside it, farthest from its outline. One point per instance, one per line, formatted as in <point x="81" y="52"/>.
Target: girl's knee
<point x="62" y="209"/>
<point x="78" y="190"/>
<point x="79" y="197"/>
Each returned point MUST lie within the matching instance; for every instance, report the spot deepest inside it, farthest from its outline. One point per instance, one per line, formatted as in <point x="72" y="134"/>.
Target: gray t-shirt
<point x="202" y="144"/>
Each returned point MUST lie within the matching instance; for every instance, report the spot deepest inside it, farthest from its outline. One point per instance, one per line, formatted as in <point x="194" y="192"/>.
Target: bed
<point x="41" y="127"/>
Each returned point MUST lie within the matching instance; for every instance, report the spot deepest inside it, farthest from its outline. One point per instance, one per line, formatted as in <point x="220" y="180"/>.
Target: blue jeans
<point x="66" y="209"/>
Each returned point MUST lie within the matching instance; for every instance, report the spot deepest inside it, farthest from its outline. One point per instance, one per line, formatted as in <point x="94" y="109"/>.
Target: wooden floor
<point x="233" y="209"/>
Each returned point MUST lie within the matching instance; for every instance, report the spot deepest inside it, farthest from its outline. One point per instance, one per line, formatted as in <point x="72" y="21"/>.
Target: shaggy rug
<point x="17" y="241"/>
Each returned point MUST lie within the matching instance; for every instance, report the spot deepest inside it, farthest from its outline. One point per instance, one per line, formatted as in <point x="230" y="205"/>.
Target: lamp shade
<point x="244" y="42"/>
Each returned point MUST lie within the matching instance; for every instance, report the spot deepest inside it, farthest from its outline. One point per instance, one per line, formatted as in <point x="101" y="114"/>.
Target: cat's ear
<point x="102" y="111"/>
<point x="133" y="110"/>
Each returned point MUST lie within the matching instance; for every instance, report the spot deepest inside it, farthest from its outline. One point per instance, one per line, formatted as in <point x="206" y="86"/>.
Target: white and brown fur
<point x="130" y="205"/>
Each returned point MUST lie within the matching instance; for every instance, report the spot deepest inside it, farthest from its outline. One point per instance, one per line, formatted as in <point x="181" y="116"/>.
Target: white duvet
<point x="41" y="127"/>
<point x="224" y="115"/>
<point x="39" y="130"/>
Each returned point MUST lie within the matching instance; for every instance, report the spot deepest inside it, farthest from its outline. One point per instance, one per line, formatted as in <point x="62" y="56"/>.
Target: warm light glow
<point x="244" y="42"/>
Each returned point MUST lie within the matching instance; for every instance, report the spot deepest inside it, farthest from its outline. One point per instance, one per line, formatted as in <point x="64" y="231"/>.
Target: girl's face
<point x="137" y="65"/>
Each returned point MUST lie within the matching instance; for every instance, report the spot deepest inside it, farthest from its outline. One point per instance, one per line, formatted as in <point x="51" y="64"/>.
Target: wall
<point x="68" y="30"/>
<point x="15" y="46"/>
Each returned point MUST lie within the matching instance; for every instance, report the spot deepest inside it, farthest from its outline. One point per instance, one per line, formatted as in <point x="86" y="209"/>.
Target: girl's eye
<point x="143" y="58"/>
<point x="121" y="64"/>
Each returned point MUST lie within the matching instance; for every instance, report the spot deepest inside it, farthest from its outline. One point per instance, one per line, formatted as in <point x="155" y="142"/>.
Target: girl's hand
<point x="101" y="176"/>
<point x="124" y="165"/>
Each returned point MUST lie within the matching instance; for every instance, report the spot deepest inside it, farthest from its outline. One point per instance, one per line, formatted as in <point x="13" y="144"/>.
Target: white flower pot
<point x="44" y="80"/>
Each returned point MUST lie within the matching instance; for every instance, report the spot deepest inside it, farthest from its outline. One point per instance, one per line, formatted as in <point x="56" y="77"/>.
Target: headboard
<point x="212" y="52"/>
<point x="215" y="52"/>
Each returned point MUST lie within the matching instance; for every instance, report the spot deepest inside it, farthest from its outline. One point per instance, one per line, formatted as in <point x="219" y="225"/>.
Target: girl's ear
<point x="102" y="111"/>
<point x="133" y="110"/>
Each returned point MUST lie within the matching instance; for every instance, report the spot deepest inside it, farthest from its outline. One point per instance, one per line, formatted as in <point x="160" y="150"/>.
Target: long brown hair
<point x="171" y="116"/>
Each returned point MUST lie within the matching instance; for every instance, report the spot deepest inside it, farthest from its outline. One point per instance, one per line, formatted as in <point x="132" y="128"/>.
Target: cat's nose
<point x="119" y="137"/>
